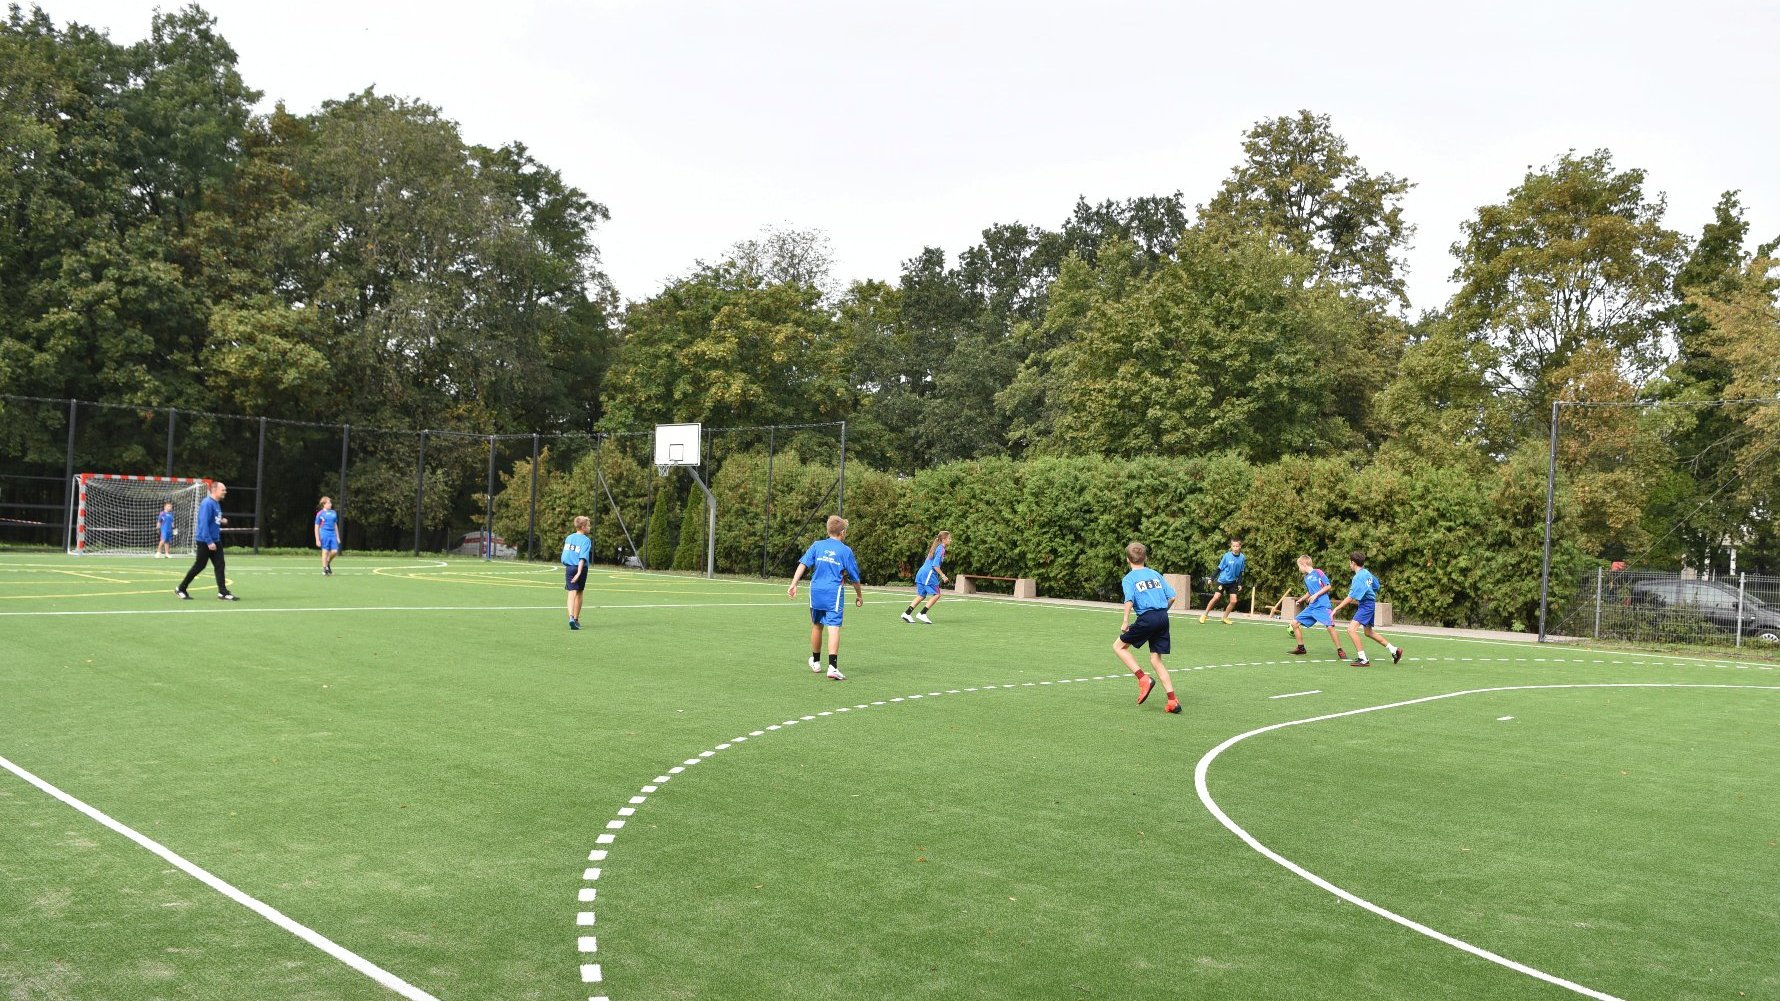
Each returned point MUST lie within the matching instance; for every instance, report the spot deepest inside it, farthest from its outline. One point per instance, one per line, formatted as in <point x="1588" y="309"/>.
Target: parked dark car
<point x="1714" y="603"/>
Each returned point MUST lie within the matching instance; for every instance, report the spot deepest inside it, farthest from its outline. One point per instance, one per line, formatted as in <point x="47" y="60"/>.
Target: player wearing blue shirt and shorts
<point x="327" y="535"/>
<point x="207" y="534"/>
<point x="1363" y="593"/>
<point x="829" y="563"/>
<point x="1147" y="595"/>
<point x="928" y="579"/>
<point x="577" y="554"/>
<point x="1314" y="611"/>
<point x="164" y="521"/>
<point x="1230" y="568"/>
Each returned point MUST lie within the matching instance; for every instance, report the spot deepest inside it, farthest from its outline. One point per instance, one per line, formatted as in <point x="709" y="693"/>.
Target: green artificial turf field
<point x="421" y="763"/>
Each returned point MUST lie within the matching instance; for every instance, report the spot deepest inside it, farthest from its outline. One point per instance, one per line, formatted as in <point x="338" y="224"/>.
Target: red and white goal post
<point x="117" y="514"/>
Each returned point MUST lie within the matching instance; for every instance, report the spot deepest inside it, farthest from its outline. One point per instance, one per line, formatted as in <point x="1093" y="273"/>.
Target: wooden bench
<point x="1024" y="587"/>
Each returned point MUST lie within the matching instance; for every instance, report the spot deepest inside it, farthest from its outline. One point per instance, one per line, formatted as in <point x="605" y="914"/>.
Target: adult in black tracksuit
<point x="208" y="534"/>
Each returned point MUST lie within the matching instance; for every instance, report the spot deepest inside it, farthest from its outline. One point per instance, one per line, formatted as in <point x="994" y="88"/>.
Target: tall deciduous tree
<point x="1576" y="253"/>
<point x="1302" y="187"/>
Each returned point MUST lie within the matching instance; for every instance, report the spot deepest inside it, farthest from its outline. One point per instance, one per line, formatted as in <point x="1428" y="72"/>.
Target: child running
<point x="829" y="563"/>
<point x="164" y="520"/>
<point x="577" y="552"/>
<point x="1148" y="595"/>
<point x="1230" y="568"/>
<point x="327" y="535"/>
<point x="1316" y="608"/>
<point x="928" y="579"/>
<point x="1363" y="593"/>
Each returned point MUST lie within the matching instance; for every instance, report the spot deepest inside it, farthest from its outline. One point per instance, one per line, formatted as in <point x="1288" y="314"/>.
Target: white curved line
<point x="1200" y="770"/>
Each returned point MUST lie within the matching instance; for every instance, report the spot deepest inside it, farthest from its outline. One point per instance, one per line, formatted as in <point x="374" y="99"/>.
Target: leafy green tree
<point x="1576" y="253"/>
<point x="662" y="537"/>
<point x="1300" y="185"/>
<point x="1441" y="406"/>
<point x="689" y="549"/>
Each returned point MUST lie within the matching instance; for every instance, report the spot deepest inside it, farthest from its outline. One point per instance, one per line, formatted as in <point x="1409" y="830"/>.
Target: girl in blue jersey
<point x="829" y="563"/>
<point x="327" y="535"/>
<point x="928" y="579"/>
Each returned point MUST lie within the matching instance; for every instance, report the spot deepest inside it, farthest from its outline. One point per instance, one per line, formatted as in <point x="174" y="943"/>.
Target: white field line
<point x="239" y="610"/>
<point x="264" y="910"/>
<point x="1204" y="766"/>
<point x="1293" y="695"/>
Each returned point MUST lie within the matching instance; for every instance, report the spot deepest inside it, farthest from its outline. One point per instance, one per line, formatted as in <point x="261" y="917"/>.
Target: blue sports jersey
<point x="576" y="549"/>
<point x="1315" y="581"/>
<point x="1146" y="591"/>
<point x="1364" y="586"/>
<point x="327" y="519"/>
<point x="165" y="520"/>
<point x="830" y="561"/>
<point x="210" y="517"/>
<point x="928" y="574"/>
<point x="1230" y="568"/>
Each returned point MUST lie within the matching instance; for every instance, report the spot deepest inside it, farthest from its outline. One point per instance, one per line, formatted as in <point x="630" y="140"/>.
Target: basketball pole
<point x="710" y="522"/>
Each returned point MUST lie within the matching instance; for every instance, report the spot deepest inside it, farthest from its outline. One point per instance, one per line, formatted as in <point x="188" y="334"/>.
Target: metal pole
<point x="419" y="489"/>
<point x="1551" y="478"/>
<point x="259" y="489"/>
<point x="766" y="524"/>
<point x="531" y="528"/>
<point x="840" y="502"/>
<point x="68" y="479"/>
<point x="1741" y="581"/>
<point x="1601" y="576"/>
<point x="710" y="523"/>
<point x="345" y="445"/>
<point x="488" y="514"/>
<point x="172" y="422"/>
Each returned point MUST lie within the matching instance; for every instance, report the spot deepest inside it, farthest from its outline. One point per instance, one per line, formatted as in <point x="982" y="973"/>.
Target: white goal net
<point x="119" y="515"/>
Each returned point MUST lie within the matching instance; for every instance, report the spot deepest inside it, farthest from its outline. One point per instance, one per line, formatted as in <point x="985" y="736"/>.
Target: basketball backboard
<point x="677" y="444"/>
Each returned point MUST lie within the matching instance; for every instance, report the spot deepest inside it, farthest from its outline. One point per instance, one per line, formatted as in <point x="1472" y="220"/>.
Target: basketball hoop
<point x="663" y="469"/>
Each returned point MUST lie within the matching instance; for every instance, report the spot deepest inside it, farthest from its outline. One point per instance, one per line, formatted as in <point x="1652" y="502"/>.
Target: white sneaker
<point x="923" y="617"/>
<point x="815" y="666"/>
<point x="834" y="674"/>
<point x="905" y="617"/>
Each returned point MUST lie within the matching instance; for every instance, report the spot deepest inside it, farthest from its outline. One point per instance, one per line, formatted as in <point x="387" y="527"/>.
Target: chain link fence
<point x="1647" y="606"/>
<point x="455" y="492"/>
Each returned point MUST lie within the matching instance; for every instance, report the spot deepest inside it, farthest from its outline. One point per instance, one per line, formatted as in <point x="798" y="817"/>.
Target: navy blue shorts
<point x="1363" y="614"/>
<point x="1151" y="627"/>
<point x="569" y="583"/>
<point x="1230" y="586"/>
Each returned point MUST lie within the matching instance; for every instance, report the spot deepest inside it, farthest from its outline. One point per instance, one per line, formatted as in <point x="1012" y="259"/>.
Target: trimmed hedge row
<point x="1453" y="546"/>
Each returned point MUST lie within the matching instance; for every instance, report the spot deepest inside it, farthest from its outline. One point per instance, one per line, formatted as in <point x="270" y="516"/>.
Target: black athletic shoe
<point x="182" y="595"/>
<point x="1297" y="652"/>
<point x="227" y="597"/>
<point x="1397" y="656"/>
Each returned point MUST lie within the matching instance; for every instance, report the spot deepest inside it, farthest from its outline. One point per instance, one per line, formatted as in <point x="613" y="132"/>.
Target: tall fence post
<point x="1601" y="577"/>
<point x="68" y="480"/>
<point x="419" y="489"/>
<point x="531" y="524"/>
<point x="1551" y="476"/>
<point x="172" y="422"/>
<point x="766" y="523"/>
<point x="1742" y="580"/>
<point x="345" y="445"/>
<point x="259" y="489"/>
<point x="488" y="509"/>
<point x="840" y="501"/>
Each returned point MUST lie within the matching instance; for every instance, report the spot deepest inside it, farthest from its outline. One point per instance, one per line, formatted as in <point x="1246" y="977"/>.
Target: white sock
<point x="1392" y="649"/>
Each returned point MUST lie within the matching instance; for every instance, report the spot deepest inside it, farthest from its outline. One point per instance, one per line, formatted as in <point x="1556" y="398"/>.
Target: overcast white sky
<point x="895" y="126"/>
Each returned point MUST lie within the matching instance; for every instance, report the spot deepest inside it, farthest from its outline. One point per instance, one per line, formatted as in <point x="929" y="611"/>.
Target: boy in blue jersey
<point x="1314" y="611"/>
<point x="1230" y="568"/>
<point x="577" y="554"/>
<point x="829" y="563"/>
<point x="1363" y="594"/>
<point x="327" y="535"/>
<point x="207" y="533"/>
<point x="928" y="579"/>
<point x="1148" y="595"/>
<point x="164" y="522"/>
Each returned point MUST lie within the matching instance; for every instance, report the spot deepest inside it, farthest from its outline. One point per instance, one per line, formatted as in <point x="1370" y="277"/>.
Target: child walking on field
<point x="928" y="579"/>
<point x="1147" y="595"/>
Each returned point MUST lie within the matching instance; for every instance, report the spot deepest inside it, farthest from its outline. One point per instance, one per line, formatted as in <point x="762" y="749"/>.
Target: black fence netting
<point x="437" y="491"/>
